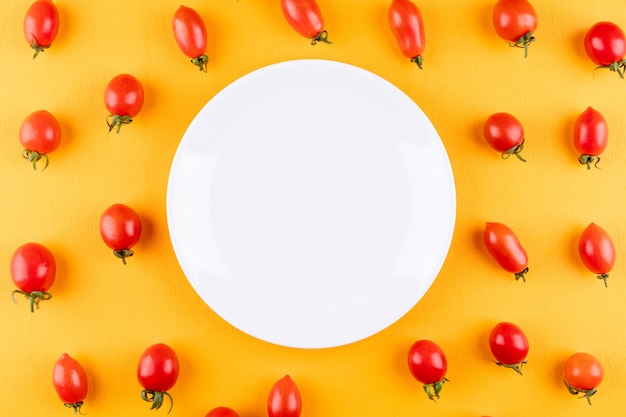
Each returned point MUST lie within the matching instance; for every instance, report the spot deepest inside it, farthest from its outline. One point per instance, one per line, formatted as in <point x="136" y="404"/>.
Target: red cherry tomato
<point x="157" y="373"/>
<point x="407" y="25"/>
<point x="41" y="25"/>
<point x="306" y="18"/>
<point x="70" y="382"/>
<point x="506" y="249"/>
<point x="591" y="135"/>
<point x="33" y="269"/>
<point x="605" y="45"/>
<point x="597" y="251"/>
<point x="190" y="35"/>
<point x="509" y="345"/>
<point x="583" y="373"/>
<point x="505" y="134"/>
<point x="123" y="98"/>
<point x="40" y="134"/>
<point x="120" y="228"/>
<point x="428" y="365"/>
<point x="222" y="412"/>
<point x="284" y="399"/>
<point x="515" y="21"/>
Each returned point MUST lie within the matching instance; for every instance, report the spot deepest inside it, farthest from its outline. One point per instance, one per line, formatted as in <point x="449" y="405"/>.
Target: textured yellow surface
<point x="105" y="314"/>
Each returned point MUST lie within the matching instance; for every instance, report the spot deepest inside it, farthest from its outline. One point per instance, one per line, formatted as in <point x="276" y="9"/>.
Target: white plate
<point x="311" y="203"/>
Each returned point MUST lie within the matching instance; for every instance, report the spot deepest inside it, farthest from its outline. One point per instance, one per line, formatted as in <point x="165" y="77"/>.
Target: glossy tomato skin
<point x="597" y="251"/>
<point x="222" y="412"/>
<point x="428" y="364"/>
<point x="40" y="134"/>
<point x="41" y="25"/>
<point x="305" y="17"/>
<point x="509" y="346"/>
<point x="284" y="399"/>
<point x="605" y="43"/>
<point x="407" y="26"/>
<point x="504" y="133"/>
<point x="583" y="374"/>
<point x="157" y="372"/>
<point x="190" y="35"/>
<point x="70" y="382"/>
<point x="123" y="98"/>
<point x="33" y="271"/>
<point x="591" y="135"/>
<point x="515" y="21"/>
<point x="506" y="249"/>
<point x="120" y="229"/>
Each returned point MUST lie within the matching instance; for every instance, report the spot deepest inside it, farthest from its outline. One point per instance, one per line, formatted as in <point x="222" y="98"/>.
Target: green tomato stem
<point x="587" y="394"/>
<point x="517" y="367"/>
<point x="123" y="254"/>
<point x="156" y="398"/>
<point x="588" y="160"/>
<point x="521" y="275"/>
<point x="433" y="389"/>
<point x="515" y="150"/>
<point x="523" y="42"/>
<point x="115" y="121"/>
<point x="38" y="48"/>
<point x="320" y="37"/>
<point x="604" y="277"/>
<point x="33" y="157"/>
<point x="418" y="60"/>
<point x="76" y="406"/>
<point x="201" y="62"/>
<point x="35" y="297"/>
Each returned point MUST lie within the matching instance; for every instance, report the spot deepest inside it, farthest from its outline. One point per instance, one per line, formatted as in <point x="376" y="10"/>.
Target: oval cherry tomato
<point x="284" y="399"/>
<point x="40" y="134"/>
<point x="123" y="98"/>
<point x="605" y="45"/>
<point x="222" y="412"/>
<point x="407" y="25"/>
<point x="583" y="373"/>
<point x="505" y="134"/>
<point x="157" y="373"/>
<point x="597" y="251"/>
<point x="428" y="365"/>
<point x="509" y="345"/>
<point x="33" y="269"/>
<point x="190" y="35"/>
<point x="120" y="228"/>
<point x="506" y="249"/>
<point x="41" y="25"/>
<point x="306" y="18"/>
<point x="70" y="382"/>
<point x="515" y="21"/>
<point x="591" y="134"/>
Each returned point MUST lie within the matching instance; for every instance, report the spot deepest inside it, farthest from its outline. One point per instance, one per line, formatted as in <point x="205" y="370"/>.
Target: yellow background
<point x="105" y="314"/>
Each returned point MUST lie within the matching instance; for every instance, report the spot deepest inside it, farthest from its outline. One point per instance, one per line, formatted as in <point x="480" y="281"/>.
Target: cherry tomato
<point x="157" y="373"/>
<point x="597" y="251"/>
<point x="306" y="18"/>
<point x="70" y="382"/>
<point x="583" y="373"/>
<point x="505" y="134"/>
<point x="190" y="35"/>
<point x="222" y="412"/>
<point x="284" y="399"/>
<point x="33" y="269"/>
<point x="40" y="134"/>
<point x="41" y="25"/>
<point x="428" y="365"/>
<point x="120" y="228"/>
<point x="123" y="98"/>
<point x="509" y="345"/>
<point x="605" y="45"/>
<point x="515" y="21"/>
<point x="506" y="249"/>
<point x="591" y="135"/>
<point x="407" y="25"/>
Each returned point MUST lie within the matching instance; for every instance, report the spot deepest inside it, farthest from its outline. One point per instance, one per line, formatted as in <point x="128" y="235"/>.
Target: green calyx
<point x="33" y="157"/>
<point x="123" y="254"/>
<point x="604" y="277"/>
<point x="515" y="150"/>
<point x="617" y="66"/>
<point x="115" y="121"/>
<point x="38" y="48"/>
<point x="588" y="160"/>
<point x="76" y="406"/>
<point x="320" y="37"/>
<point x="517" y="367"/>
<point x="156" y="398"/>
<point x="35" y="297"/>
<point x="523" y="42"/>
<point x="587" y="394"/>
<point x="201" y="62"/>
<point x="521" y="275"/>
<point x="418" y="60"/>
<point x="433" y="389"/>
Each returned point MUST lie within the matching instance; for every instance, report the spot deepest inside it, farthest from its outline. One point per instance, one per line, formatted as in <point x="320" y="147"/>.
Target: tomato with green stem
<point x="157" y="373"/>
<point x="597" y="251"/>
<point x="428" y="364"/>
<point x="33" y="271"/>
<point x="284" y="399"/>
<point x="583" y="373"/>
<point x="40" y="134"/>
<point x="591" y="134"/>
<point x="505" y="134"/>
<point x="70" y="382"/>
<point x="515" y="21"/>
<point x="222" y="412"/>
<point x="41" y="25"/>
<point x="120" y="229"/>
<point x="305" y="17"/>
<point x="123" y="98"/>
<point x="509" y="346"/>
<point x="191" y="36"/>
<point x="605" y="45"/>
<point x="506" y="249"/>
<point x="407" y="26"/>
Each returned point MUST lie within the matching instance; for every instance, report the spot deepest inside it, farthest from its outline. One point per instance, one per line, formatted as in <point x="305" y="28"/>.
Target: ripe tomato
<point x="123" y="98"/>
<point x="190" y="35"/>
<point x="605" y="45"/>
<point x="597" y="251"/>
<point x="284" y="399"/>
<point x="515" y="21"/>
<point x="306" y="18"/>
<point x="120" y="228"/>
<point x="405" y="21"/>
<point x="509" y="345"/>
<point x="157" y="373"/>
<point x="40" y="134"/>
<point x="428" y="365"/>
<point x="583" y="373"/>
<point x="70" y="382"/>
<point x="222" y="412"/>
<point x="41" y="25"/>
<point x="506" y="249"/>
<point x="505" y="134"/>
<point x="33" y="269"/>
<point x="591" y="135"/>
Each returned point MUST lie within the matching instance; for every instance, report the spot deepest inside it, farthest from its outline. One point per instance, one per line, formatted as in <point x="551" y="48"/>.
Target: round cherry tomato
<point x="190" y="35"/>
<point x="509" y="345"/>
<point x="157" y="373"/>
<point x="597" y="251"/>
<point x="33" y="269"/>
<point x="428" y="365"/>
<point x="506" y="249"/>
<point x="41" y="25"/>
<point x="583" y="373"/>
<point x="123" y="98"/>
<point x="505" y="134"/>
<point x="120" y="228"/>
<point x="605" y="45"/>
<point x="284" y="399"/>
<point x="591" y="135"/>
<point x="306" y="18"/>
<point x="515" y="21"/>
<point x="222" y="412"/>
<point x="70" y="382"/>
<point x="40" y="134"/>
<point x="405" y="21"/>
